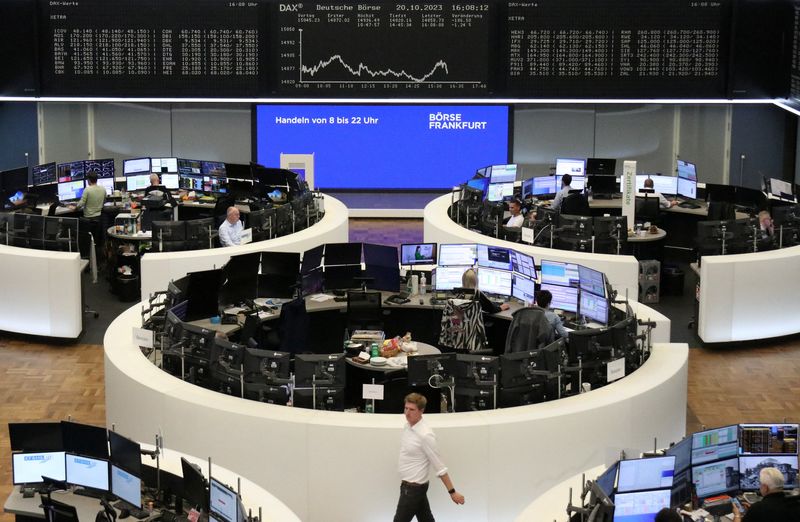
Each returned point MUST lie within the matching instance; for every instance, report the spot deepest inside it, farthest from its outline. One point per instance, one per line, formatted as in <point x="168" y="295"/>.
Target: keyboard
<point x="133" y="510"/>
<point x="688" y="204"/>
<point x="89" y="493"/>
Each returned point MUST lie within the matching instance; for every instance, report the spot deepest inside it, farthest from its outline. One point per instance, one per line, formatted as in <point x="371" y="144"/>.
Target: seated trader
<point x="230" y="231"/>
<point x="470" y="280"/>
<point x="775" y="505"/>
<point x="564" y="192"/>
<point x="543" y="300"/>
<point x="93" y="198"/>
<point x="157" y="190"/>
<point x="662" y="201"/>
<point x="515" y="208"/>
<point x="766" y="231"/>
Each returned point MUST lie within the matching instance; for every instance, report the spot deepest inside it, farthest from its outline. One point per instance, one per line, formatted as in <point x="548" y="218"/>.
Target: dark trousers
<point x="413" y="501"/>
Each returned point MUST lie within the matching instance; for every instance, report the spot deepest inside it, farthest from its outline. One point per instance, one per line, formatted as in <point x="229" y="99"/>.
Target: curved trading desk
<point x="552" y="505"/>
<point x="622" y="271"/>
<point x="158" y="269"/>
<point x="331" y="466"/>
<point x="41" y="292"/>
<point x="749" y="296"/>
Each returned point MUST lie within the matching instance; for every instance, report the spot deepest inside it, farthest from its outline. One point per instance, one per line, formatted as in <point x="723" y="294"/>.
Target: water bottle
<point x="374" y="350"/>
<point x="368" y="407"/>
<point x="443" y="404"/>
<point x="423" y="281"/>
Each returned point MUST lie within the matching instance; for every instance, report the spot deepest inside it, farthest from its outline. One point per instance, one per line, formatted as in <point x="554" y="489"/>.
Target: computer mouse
<point x="124" y="513"/>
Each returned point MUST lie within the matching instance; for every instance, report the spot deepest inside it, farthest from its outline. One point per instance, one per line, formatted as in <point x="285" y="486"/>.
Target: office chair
<point x="576" y="204"/>
<point x="647" y="209"/>
<point x="721" y="211"/>
<point x="55" y="511"/>
<point x="491" y="219"/>
<point x="221" y="208"/>
<point x="364" y="311"/>
<point x="529" y="330"/>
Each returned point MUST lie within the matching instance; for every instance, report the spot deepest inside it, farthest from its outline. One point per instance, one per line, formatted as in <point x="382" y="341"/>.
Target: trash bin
<point x="672" y="280"/>
<point x="127" y="288"/>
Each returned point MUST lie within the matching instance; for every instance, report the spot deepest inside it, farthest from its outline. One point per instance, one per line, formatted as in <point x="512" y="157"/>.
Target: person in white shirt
<point x="230" y="231"/>
<point x="418" y="454"/>
<point x="662" y="201"/>
<point x="516" y="219"/>
<point x="564" y="192"/>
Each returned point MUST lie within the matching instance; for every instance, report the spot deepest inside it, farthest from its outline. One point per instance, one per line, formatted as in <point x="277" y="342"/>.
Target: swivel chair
<point x="576" y="204"/>
<point x="647" y="209"/>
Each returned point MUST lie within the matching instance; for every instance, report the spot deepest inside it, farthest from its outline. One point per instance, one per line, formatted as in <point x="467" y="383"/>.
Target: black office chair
<point x="529" y="330"/>
<point x="55" y="511"/>
<point x="364" y="311"/>
<point x="491" y="220"/>
<point x="721" y="211"/>
<point x="576" y="204"/>
<point x="647" y="209"/>
<point x="221" y="208"/>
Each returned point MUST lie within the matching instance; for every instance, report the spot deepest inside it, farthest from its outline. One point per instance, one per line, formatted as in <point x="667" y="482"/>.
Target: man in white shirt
<point x="418" y="454"/>
<point x="230" y="231"/>
<point x="516" y="219"/>
<point x="662" y="201"/>
<point x="564" y="192"/>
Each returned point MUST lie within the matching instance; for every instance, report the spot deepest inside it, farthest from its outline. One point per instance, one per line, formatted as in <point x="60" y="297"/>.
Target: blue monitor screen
<point x="640" y="507"/>
<point x="87" y="472"/>
<point x="578" y="182"/>
<point x="564" y="297"/>
<point x="523" y="264"/>
<point x="557" y="273"/>
<point x="540" y="186"/>
<point x="382" y="146"/>
<point x="687" y="170"/>
<point x="126" y="486"/>
<point x="687" y="188"/>
<point x="494" y="257"/>
<point x="523" y="288"/>
<point x="500" y="191"/>
<point x="479" y="183"/>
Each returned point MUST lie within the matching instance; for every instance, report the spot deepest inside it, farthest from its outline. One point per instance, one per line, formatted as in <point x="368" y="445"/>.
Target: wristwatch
<point x="451" y="491"/>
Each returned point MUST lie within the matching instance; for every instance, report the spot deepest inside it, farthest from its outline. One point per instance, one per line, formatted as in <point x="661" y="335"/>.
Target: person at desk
<point x="515" y="208"/>
<point x="566" y="180"/>
<point x="662" y="201"/>
<point x="93" y="198"/>
<point x="157" y="190"/>
<point x="668" y="515"/>
<point x="774" y="505"/>
<point x="543" y="300"/>
<point x="469" y="280"/>
<point x="230" y="231"/>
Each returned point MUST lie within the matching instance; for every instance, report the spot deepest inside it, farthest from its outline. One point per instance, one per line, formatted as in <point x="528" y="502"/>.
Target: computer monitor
<point x="70" y="190"/>
<point x="126" y="486"/>
<point x="224" y="502"/>
<point x="342" y="277"/>
<point x="43" y="174"/>
<point x="687" y="188"/>
<point x="198" y="231"/>
<point x="104" y="168"/>
<point x="768" y="439"/>
<point x="381" y="267"/>
<point x="458" y="254"/>
<point x="687" y="170"/>
<point x="780" y="188"/>
<point x="328" y="398"/>
<point x="579" y="227"/>
<point x="662" y="184"/>
<point x="125" y="453"/>
<point x="578" y="182"/>
<point x="324" y="369"/>
<point x="601" y="166"/>
<point x="171" y="181"/>
<point x="190" y="167"/>
<point x="85" y="439"/>
<point x="644" y="474"/>
<point x="494" y="257"/>
<point x="240" y="278"/>
<point x="558" y="273"/>
<point x="106" y="183"/>
<point x="564" y="297"/>
<point x="72" y="171"/>
<point x="168" y="231"/>
<point x="516" y="369"/>
<point x="715" y="444"/>
<point x="539" y="186"/>
<point x="265" y="365"/>
<point x="422" y="367"/>
<point x="213" y="168"/>
<point x="342" y="254"/>
<point x="202" y="294"/>
<point x="523" y="264"/>
<point x="136" y="166"/>
<point x="35" y="436"/>
<point x="640" y="506"/>
<point x="476" y="370"/>
<point x="608" y="479"/>
<point x="239" y="171"/>
<point x="572" y="166"/>
<point x="137" y="182"/>
<point x="500" y="191"/>
<point x="682" y="452"/>
<point x="594" y="307"/>
<point x="312" y="259"/>
<point x="87" y="472"/>
<point x="479" y="183"/>
<point x="447" y="278"/>
<point x="504" y="173"/>
<point x="716" y="478"/>
<point x="494" y="281"/>
<point x="523" y="288"/>
<point x="590" y="280"/>
<point x="30" y="467"/>
<point x="602" y="184"/>
<point x="750" y="467"/>
<point x="195" y="492"/>
<point x="412" y="254"/>
<point x="164" y="165"/>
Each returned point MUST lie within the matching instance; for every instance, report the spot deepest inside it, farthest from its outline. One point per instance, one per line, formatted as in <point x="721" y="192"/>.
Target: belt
<point x="413" y="484"/>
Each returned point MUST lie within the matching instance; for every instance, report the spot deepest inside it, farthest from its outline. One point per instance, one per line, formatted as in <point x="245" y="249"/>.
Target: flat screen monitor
<point x="223" y="501"/>
<point x="539" y="186"/>
<point x="125" y="453"/>
<point x="44" y="174"/>
<point x="493" y="281"/>
<point x="324" y="369"/>
<point x="662" y="184"/>
<point x="446" y="278"/>
<point x="716" y="478"/>
<point x="591" y="280"/>
<point x="523" y="288"/>
<point x="458" y="254"/>
<point x="70" y="190"/>
<point x="594" y="307"/>
<point x="380" y="255"/>
<point x="126" y="486"/>
<point x="500" y="191"/>
<point x="715" y="444"/>
<point x="643" y="474"/>
<point x="106" y="183"/>
<point x="195" y="492"/>
<point x="768" y="439"/>
<point x="640" y="507"/>
<point x="342" y="254"/>
<point x="602" y="184"/>
<point x="202" y="294"/>
<point x="164" y="165"/>
<point x="558" y="273"/>
<point x="215" y="184"/>
<point x="137" y="182"/>
<point x="280" y="263"/>
<point x="504" y="173"/>
<point x="601" y="166"/>
<point x="104" y="168"/>
<point x="213" y="168"/>
<point x="412" y="254"/>
<point x="479" y="183"/>
<point x="342" y="277"/>
<point x="578" y="182"/>
<point x="72" y="171"/>
<point x="35" y="436"/>
<point x="240" y="171"/>
<point x="85" y="439"/>
<point x="687" y="188"/>
<point x="780" y="188"/>
<point x="608" y="479"/>
<point x="87" y="472"/>
<point x="422" y="367"/>
<point x="572" y="166"/>
<point x="682" y="452"/>
<point x="687" y="170"/>
<point x="494" y="257"/>
<point x="750" y="467"/>
<point x="523" y="264"/>
<point x="171" y="181"/>
<point x="564" y="297"/>
<point x="312" y="259"/>
<point x="29" y="468"/>
<point x="190" y="167"/>
<point x="136" y="166"/>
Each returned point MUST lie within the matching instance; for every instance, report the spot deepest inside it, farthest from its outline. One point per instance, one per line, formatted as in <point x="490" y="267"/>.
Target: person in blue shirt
<point x="566" y="180"/>
<point x="230" y="231"/>
<point x="543" y="300"/>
